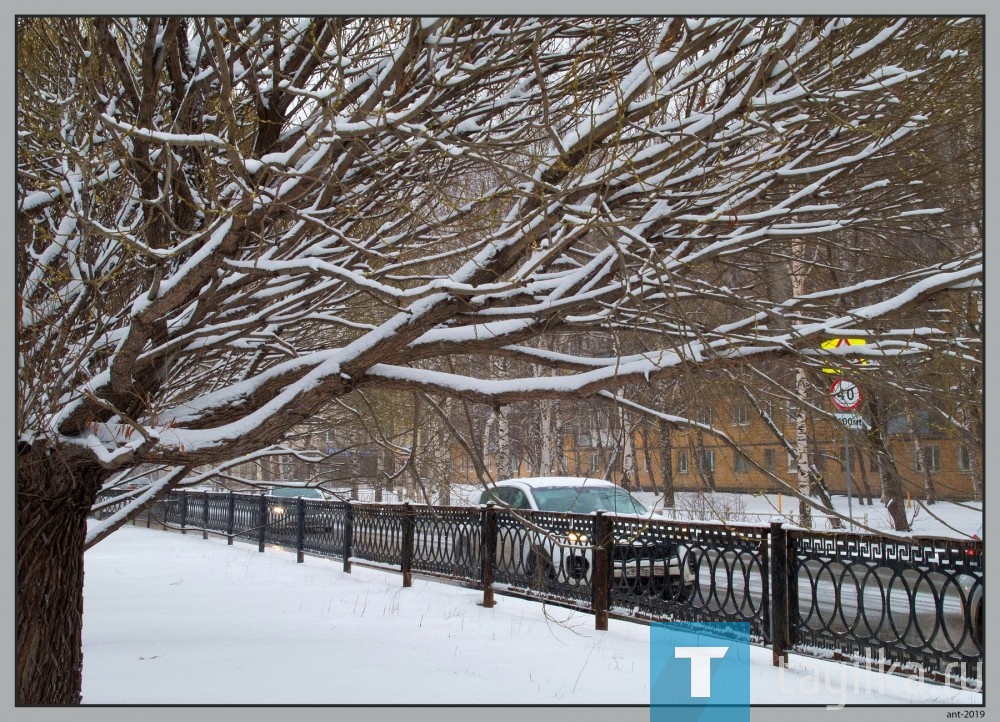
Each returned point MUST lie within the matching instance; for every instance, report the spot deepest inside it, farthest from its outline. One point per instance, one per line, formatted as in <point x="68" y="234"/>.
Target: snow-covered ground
<point x="947" y="519"/>
<point x="175" y="619"/>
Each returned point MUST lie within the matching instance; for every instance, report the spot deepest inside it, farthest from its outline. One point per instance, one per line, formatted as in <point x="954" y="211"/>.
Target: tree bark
<point x="802" y="448"/>
<point x="705" y="470"/>
<point x="892" y="483"/>
<point x="630" y="470"/>
<point x="930" y="496"/>
<point x="666" y="462"/>
<point x="53" y="501"/>
<point x="504" y="469"/>
<point x="864" y="477"/>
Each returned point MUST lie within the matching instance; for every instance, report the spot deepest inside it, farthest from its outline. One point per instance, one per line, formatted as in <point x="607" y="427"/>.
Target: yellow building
<point x="920" y="450"/>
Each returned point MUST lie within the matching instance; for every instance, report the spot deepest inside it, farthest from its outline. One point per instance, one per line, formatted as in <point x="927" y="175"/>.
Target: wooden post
<point x="348" y="535"/>
<point x="184" y="512"/>
<point x="231" y="517"/>
<point x="300" y="532"/>
<point x="779" y="595"/>
<point x="406" y="562"/>
<point x="487" y="552"/>
<point x="600" y="578"/>
<point x="261" y="522"/>
<point x="204" y="518"/>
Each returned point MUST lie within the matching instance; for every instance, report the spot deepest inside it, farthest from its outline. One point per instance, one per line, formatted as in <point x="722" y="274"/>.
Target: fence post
<point x="348" y="535"/>
<point x="406" y="563"/>
<point x="488" y="551"/>
<point x="261" y="522"/>
<point x="231" y="517"/>
<point x="792" y="585"/>
<point x="779" y="595"/>
<point x="300" y="532"/>
<point x="600" y="577"/>
<point x="204" y="518"/>
<point x="184" y="511"/>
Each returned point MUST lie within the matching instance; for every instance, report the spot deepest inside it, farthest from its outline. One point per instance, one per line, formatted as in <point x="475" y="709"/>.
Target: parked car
<point x="282" y="515"/>
<point x="641" y="565"/>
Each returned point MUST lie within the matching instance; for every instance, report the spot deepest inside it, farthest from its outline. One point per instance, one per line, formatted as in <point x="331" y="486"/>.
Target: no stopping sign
<point x="845" y="395"/>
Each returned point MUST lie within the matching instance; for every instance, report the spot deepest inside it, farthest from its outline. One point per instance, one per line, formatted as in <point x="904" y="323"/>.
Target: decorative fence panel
<point x="324" y="527"/>
<point x="378" y="533"/>
<point x="685" y="571"/>
<point x="444" y="540"/>
<point x="545" y="552"/>
<point x="907" y="603"/>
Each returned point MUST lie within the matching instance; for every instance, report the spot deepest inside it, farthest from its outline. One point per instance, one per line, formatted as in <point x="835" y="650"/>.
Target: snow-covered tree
<point x="224" y="225"/>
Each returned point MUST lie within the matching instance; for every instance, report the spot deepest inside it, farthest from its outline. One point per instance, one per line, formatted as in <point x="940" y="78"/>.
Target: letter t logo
<point x="701" y="666"/>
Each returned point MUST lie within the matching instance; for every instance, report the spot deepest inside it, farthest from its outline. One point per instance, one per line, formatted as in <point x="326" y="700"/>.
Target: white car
<point x="565" y="552"/>
<point x="282" y="516"/>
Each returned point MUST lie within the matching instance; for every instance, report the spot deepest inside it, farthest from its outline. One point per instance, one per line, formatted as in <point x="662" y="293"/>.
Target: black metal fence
<point x="913" y="607"/>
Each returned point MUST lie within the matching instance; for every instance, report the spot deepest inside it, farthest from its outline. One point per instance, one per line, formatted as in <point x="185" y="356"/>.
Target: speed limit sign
<point x="845" y="395"/>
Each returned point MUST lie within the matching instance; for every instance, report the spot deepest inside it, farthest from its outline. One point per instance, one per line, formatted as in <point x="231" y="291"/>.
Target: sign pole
<point x="850" y="475"/>
<point x="846" y="396"/>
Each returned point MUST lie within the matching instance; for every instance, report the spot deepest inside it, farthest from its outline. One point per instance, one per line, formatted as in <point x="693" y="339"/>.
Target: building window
<point x="704" y="415"/>
<point x="768" y="406"/>
<point x="583" y="440"/>
<point x="682" y="462"/>
<point x="964" y="459"/>
<point x="741" y="465"/>
<point x="741" y="414"/>
<point x="706" y="461"/>
<point x="791" y="411"/>
<point x="931" y="458"/>
<point x="770" y="463"/>
<point x="593" y="461"/>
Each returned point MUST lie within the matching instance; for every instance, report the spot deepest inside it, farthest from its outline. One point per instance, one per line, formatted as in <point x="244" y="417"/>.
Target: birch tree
<point x="225" y="225"/>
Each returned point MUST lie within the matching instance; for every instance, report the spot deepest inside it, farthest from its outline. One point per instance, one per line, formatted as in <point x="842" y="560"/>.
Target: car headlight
<point x="575" y="537"/>
<point x="278" y="510"/>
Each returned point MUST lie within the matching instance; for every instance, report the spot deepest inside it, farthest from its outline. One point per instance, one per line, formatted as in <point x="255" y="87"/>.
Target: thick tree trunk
<point x="546" y="438"/>
<point x="892" y="482"/>
<point x="866" y="487"/>
<point x="706" y="468"/>
<point x="930" y="495"/>
<point x="52" y="507"/>
<point x="666" y="462"/>
<point x="504" y="469"/>
<point x="802" y="448"/>
<point x="630" y="469"/>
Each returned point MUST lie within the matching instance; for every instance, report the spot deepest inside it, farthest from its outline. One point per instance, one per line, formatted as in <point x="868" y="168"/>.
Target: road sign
<point x="839" y="343"/>
<point x="845" y="395"/>
<point x="855" y="422"/>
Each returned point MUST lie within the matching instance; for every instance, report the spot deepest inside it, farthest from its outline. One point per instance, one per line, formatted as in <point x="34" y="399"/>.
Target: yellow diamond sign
<point x="838" y="343"/>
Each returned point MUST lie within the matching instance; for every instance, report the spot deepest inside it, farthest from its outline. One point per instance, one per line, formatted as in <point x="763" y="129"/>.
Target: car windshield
<point x="296" y="491"/>
<point x="583" y="500"/>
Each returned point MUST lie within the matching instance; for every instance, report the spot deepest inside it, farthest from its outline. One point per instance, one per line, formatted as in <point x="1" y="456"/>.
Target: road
<point x="861" y="604"/>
